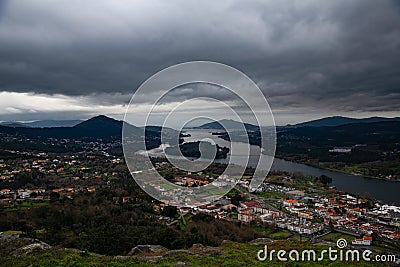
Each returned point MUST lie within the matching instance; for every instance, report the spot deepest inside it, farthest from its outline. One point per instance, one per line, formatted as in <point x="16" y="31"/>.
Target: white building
<point x="364" y="241"/>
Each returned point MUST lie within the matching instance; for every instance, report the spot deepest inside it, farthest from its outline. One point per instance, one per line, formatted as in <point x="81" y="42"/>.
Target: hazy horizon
<point x="193" y="124"/>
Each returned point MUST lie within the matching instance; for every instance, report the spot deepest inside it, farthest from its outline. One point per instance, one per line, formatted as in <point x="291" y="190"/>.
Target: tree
<point x="54" y="196"/>
<point x="325" y="179"/>
<point x="169" y="211"/>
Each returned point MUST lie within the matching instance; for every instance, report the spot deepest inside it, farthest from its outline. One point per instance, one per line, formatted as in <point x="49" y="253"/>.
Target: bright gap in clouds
<point x="30" y="106"/>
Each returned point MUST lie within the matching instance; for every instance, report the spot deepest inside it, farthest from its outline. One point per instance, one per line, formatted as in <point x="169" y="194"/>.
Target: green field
<point x="275" y="195"/>
<point x="280" y="235"/>
<point x="333" y="237"/>
<point x="24" y="205"/>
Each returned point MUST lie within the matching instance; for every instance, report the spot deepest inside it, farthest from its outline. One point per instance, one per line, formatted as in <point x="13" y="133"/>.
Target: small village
<point x="310" y="212"/>
<point x="305" y="208"/>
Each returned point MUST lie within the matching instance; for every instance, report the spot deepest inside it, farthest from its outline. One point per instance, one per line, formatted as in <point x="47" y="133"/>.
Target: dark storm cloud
<point x="339" y="55"/>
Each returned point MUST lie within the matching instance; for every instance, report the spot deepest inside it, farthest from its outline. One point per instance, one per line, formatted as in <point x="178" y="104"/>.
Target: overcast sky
<point x="311" y="58"/>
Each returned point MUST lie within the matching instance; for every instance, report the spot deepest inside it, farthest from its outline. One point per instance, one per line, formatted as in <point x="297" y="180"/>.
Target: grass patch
<point x="262" y="230"/>
<point x="333" y="237"/>
<point x="24" y="205"/>
<point x="280" y="235"/>
<point x="229" y="254"/>
<point x="13" y="232"/>
<point x="272" y="195"/>
<point x="298" y="238"/>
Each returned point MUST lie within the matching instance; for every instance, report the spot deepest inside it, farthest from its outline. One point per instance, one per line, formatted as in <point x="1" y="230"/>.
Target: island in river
<point x="199" y="149"/>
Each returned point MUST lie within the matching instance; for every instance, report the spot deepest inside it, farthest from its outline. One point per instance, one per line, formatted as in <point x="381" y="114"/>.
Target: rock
<point x="204" y="250"/>
<point x="12" y="242"/>
<point x="211" y="252"/>
<point x="119" y="257"/>
<point x="177" y="252"/>
<point x="198" y="246"/>
<point x="31" y="248"/>
<point x="152" y="259"/>
<point x="261" y="241"/>
<point x="72" y="250"/>
<point x="180" y="263"/>
<point x="139" y="249"/>
<point x="224" y="242"/>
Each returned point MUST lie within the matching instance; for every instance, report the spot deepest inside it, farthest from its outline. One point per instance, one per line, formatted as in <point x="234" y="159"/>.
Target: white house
<point x="365" y="241"/>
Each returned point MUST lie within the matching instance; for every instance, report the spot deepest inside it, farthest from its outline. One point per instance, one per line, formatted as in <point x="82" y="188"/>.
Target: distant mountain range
<point x="102" y="127"/>
<point x="339" y="120"/>
<point x="99" y="127"/>
<point x="331" y="131"/>
<point x="12" y="124"/>
<point x="328" y="121"/>
<point x="380" y="132"/>
<point x="216" y="125"/>
<point x="43" y="123"/>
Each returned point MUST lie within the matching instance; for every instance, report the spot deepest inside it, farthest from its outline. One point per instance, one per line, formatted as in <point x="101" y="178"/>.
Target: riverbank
<point x="346" y="170"/>
<point x="378" y="189"/>
<point x="366" y="162"/>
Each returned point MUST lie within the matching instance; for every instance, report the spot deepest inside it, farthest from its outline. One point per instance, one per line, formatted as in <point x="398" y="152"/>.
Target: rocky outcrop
<point x="25" y="250"/>
<point x="261" y="241"/>
<point x="153" y="253"/>
<point x="152" y="259"/>
<point x="15" y="245"/>
<point x="147" y="249"/>
<point x="200" y="249"/>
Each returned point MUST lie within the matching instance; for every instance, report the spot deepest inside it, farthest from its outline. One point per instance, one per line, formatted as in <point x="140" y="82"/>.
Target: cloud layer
<point x="327" y="56"/>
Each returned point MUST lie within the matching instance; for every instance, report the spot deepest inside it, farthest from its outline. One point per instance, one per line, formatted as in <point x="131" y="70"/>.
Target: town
<point x="286" y="205"/>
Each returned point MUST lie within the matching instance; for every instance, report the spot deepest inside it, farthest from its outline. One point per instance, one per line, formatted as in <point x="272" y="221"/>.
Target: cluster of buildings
<point x="252" y="211"/>
<point x="300" y="225"/>
<point x="267" y="187"/>
<point x="73" y="166"/>
<point x="8" y="196"/>
<point x="354" y="215"/>
<point x="341" y="150"/>
<point x="298" y="208"/>
<point x="189" y="181"/>
<point x="24" y="178"/>
<point x="34" y="194"/>
<point x="220" y="209"/>
<point x="343" y="212"/>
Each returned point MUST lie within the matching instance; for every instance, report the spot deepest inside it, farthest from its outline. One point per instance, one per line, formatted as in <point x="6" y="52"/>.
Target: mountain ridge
<point x="341" y="120"/>
<point x="98" y="127"/>
<point x="229" y="123"/>
<point x="42" y="123"/>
